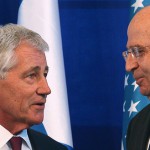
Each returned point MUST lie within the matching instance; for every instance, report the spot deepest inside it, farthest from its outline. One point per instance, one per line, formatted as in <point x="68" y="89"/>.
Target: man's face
<point x="139" y="35"/>
<point x="23" y="91"/>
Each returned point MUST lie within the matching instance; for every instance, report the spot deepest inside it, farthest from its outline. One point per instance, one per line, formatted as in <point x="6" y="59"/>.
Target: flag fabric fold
<point x="134" y="102"/>
<point x="42" y="16"/>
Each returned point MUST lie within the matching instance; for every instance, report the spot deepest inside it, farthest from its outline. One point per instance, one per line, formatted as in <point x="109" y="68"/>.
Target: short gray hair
<point x="11" y="36"/>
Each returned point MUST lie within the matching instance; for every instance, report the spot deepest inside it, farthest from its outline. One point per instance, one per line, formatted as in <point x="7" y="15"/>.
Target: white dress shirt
<point x="5" y="136"/>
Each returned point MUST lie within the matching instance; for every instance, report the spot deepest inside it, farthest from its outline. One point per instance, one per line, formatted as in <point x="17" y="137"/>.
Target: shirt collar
<point x="25" y="136"/>
<point x="5" y="136"/>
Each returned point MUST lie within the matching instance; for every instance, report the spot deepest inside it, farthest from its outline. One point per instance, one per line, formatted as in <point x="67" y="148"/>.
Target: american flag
<point x="134" y="102"/>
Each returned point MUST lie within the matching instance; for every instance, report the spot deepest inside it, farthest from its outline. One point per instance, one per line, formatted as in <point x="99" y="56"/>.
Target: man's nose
<point x="43" y="87"/>
<point x="131" y="63"/>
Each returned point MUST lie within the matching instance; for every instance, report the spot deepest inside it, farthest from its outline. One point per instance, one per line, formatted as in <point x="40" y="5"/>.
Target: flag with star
<point x="134" y="102"/>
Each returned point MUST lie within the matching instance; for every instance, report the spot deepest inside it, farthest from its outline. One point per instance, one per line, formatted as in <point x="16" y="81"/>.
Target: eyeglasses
<point x="136" y="52"/>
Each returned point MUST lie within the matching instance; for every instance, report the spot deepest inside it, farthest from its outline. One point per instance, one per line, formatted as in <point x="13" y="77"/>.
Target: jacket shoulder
<point x="41" y="141"/>
<point x="139" y="127"/>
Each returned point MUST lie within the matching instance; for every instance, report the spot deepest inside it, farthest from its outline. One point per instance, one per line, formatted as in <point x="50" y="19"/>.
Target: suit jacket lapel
<point x="144" y="128"/>
<point x="35" y="143"/>
<point x="140" y="130"/>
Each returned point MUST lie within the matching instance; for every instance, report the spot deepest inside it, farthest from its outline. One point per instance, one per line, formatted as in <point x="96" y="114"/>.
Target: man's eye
<point x="138" y="52"/>
<point x="32" y="75"/>
<point x="45" y="74"/>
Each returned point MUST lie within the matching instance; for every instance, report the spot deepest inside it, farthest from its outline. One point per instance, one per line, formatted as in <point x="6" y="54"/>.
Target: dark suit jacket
<point x="139" y="130"/>
<point x="40" y="141"/>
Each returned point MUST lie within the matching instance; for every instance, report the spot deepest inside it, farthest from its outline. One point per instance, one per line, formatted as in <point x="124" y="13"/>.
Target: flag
<point x="42" y="16"/>
<point x="134" y="102"/>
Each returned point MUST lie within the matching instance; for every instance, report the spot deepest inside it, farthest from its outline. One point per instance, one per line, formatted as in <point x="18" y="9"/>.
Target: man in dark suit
<point x="23" y="89"/>
<point x="137" y="59"/>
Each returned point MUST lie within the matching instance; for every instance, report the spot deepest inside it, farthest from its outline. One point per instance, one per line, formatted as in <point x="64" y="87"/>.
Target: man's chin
<point x="145" y="91"/>
<point x="36" y="121"/>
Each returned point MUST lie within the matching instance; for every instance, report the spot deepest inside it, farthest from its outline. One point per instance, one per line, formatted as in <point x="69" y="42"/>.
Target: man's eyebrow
<point x="137" y="45"/>
<point x="35" y="69"/>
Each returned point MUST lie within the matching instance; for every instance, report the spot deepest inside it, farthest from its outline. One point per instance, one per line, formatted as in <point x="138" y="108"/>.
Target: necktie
<point x="16" y="143"/>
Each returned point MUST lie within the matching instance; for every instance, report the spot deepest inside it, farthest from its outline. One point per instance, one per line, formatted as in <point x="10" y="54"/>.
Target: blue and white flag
<point x="42" y="16"/>
<point x="134" y="102"/>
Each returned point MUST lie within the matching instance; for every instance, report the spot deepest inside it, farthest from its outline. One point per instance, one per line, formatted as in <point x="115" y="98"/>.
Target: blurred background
<point x="93" y="37"/>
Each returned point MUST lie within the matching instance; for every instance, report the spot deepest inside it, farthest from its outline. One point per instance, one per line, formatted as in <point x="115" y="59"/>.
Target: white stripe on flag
<point x="42" y="16"/>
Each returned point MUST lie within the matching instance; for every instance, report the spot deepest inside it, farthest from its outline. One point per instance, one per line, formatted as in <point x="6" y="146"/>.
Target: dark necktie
<point x="16" y="143"/>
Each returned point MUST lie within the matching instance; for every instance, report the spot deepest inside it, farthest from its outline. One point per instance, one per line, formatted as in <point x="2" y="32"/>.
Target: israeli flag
<point x="42" y="16"/>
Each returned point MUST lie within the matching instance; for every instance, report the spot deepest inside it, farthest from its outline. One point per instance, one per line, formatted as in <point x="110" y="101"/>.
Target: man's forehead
<point x="140" y="19"/>
<point x="143" y="13"/>
<point x="139" y="30"/>
<point x="138" y="38"/>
